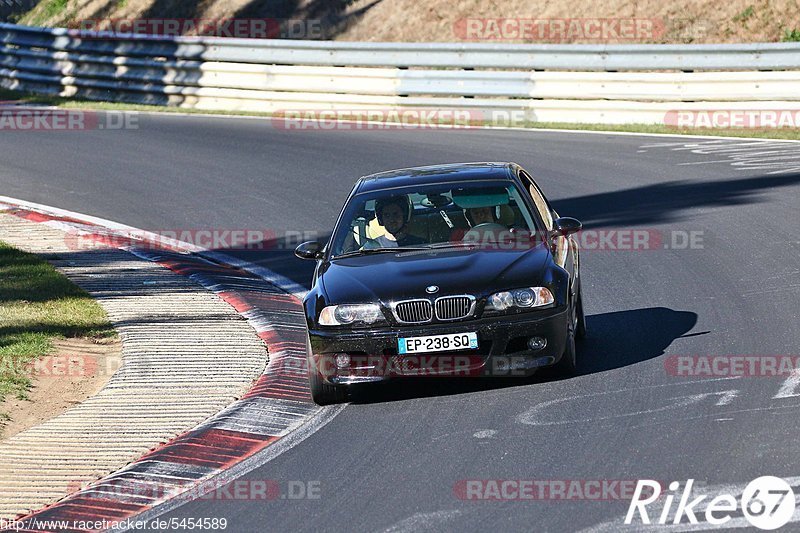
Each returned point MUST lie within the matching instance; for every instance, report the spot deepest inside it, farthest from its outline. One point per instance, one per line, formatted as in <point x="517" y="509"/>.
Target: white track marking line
<point x="765" y="155"/>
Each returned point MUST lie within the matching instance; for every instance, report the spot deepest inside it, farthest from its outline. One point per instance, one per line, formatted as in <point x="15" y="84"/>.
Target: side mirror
<point x="309" y="250"/>
<point x="566" y="226"/>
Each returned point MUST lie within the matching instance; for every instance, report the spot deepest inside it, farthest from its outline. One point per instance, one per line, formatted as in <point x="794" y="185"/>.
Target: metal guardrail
<point x="273" y="75"/>
<point x="763" y="56"/>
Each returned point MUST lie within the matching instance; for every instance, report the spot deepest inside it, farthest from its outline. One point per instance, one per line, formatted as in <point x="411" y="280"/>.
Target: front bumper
<point x="502" y="349"/>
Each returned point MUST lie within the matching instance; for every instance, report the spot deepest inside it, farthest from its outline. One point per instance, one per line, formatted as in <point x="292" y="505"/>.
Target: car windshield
<point x="460" y="215"/>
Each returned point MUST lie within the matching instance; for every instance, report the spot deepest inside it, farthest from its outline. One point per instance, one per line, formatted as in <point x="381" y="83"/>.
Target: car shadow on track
<point x="624" y="338"/>
<point x="615" y="340"/>
<point x="666" y="202"/>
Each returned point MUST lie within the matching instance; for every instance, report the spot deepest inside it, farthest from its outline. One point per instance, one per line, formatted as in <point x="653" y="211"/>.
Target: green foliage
<point x="791" y="35"/>
<point x="744" y="15"/>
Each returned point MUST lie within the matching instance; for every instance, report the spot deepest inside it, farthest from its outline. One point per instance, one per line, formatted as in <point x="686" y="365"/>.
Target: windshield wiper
<point x="368" y="251"/>
<point x="454" y="244"/>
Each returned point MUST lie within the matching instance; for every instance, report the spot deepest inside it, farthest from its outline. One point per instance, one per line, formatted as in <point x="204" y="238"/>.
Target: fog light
<point x="342" y="360"/>
<point x="537" y="343"/>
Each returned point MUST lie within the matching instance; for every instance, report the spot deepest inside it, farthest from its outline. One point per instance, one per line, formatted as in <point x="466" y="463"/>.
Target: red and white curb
<point x="241" y="437"/>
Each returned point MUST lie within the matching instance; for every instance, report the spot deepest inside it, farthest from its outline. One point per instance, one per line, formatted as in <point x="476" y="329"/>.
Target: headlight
<point x="342" y="315"/>
<point x="520" y="298"/>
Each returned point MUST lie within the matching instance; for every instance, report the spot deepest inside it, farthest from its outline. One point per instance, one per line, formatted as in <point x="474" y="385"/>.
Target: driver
<point x="394" y="213"/>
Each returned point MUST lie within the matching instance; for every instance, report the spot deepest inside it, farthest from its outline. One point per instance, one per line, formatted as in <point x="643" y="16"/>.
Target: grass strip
<point x="38" y="305"/>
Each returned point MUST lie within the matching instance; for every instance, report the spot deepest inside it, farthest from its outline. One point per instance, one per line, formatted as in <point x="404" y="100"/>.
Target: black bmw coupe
<point x="448" y="270"/>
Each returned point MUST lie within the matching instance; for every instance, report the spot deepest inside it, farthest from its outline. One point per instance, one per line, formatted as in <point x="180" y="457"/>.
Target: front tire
<point x="568" y="364"/>
<point x="580" y="329"/>
<point x="322" y="393"/>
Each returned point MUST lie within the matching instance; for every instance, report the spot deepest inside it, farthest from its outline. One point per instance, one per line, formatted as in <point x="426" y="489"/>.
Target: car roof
<point x="434" y="174"/>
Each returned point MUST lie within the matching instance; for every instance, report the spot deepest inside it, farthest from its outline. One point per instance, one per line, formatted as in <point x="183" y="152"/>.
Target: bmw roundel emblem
<point x="432" y="289"/>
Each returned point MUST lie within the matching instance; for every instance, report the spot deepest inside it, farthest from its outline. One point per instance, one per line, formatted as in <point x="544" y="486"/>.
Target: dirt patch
<point x="77" y="370"/>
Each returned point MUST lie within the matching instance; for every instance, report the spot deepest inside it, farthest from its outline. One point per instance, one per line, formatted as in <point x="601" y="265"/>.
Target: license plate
<point x="437" y="343"/>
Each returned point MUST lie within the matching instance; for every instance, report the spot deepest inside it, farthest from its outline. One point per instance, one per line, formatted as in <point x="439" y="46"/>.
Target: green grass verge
<point x="38" y="305"/>
<point x="763" y="133"/>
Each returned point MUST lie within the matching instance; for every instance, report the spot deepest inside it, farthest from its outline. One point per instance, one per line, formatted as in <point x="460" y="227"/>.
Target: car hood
<point x="393" y="276"/>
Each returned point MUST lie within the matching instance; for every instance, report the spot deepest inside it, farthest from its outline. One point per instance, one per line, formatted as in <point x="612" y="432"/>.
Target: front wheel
<point x="321" y="392"/>
<point x="580" y="329"/>
<point x="568" y="364"/>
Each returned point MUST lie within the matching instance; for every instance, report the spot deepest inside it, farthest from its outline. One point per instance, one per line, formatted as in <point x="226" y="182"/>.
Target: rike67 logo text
<point x="767" y="503"/>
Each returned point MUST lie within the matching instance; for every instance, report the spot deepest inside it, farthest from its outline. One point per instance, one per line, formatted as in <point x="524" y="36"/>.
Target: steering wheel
<point x="477" y="233"/>
<point x="370" y="244"/>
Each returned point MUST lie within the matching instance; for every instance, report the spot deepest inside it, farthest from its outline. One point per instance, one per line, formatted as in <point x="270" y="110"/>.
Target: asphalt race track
<point x="397" y="458"/>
